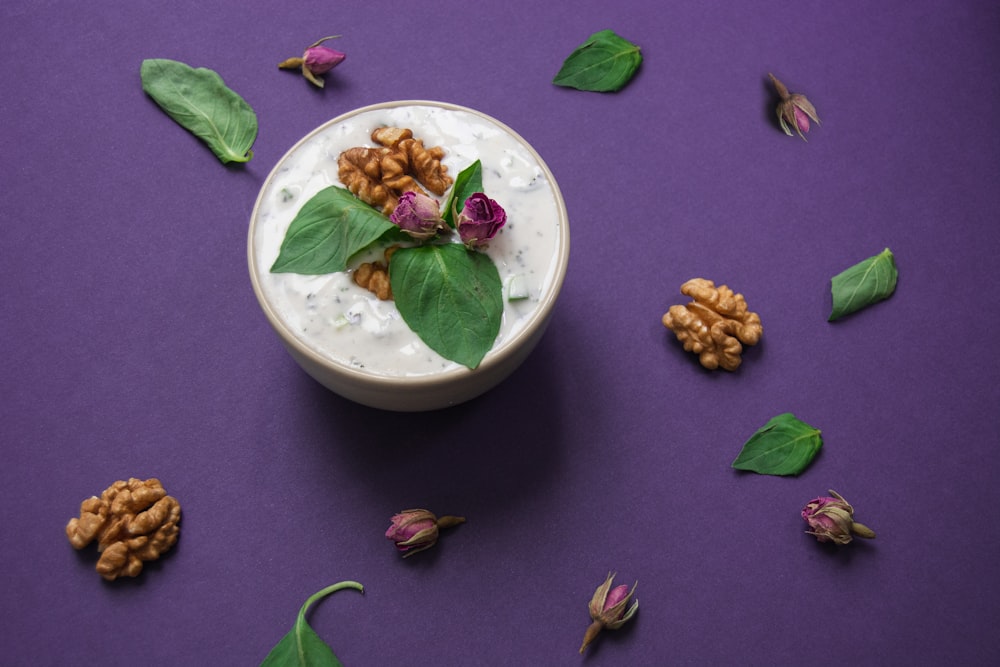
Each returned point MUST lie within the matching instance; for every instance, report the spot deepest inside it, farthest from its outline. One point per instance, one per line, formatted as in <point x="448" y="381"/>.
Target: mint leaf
<point x="604" y="63"/>
<point x="329" y="228"/>
<point x="782" y="446"/>
<point x="200" y="102"/>
<point x="451" y="297"/>
<point x="468" y="182"/>
<point x="302" y="646"/>
<point x="863" y="284"/>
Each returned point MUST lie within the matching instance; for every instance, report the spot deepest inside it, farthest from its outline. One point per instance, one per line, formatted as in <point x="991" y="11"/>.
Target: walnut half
<point x="133" y="522"/>
<point x="715" y="326"/>
<point x="374" y="276"/>
<point x="401" y="163"/>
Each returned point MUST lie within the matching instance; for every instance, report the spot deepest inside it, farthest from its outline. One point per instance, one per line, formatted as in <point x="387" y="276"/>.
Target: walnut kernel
<point x="378" y="176"/>
<point x="133" y="522"/>
<point x="715" y="326"/>
<point x="360" y="170"/>
<point x="374" y="276"/>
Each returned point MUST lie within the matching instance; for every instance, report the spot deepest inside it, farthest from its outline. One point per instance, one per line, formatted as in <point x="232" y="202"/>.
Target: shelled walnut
<point x="360" y="170"/>
<point x="374" y="276"/>
<point x="401" y="163"/>
<point x="133" y="522"/>
<point x="715" y="326"/>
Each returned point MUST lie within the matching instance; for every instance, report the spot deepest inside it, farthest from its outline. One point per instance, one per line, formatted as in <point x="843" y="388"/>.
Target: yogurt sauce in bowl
<point x="333" y="322"/>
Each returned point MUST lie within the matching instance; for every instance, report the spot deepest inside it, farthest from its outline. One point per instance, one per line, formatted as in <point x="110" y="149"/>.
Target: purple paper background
<point x="133" y="344"/>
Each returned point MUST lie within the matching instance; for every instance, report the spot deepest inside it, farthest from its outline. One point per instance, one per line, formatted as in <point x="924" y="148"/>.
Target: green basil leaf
<point x="604" y="63"/>
<point x="467" y="183"/>
<point x="863" y="284"/>
<point x="302" y="646"/>
<point x="451" y="297"/>
<point x="327" y="231"/>
<point x="782" y="446"/>
<point x="199" y="101"/>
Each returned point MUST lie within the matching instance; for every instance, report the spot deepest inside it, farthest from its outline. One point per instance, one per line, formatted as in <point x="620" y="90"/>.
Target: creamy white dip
<point x="346" y="323"/>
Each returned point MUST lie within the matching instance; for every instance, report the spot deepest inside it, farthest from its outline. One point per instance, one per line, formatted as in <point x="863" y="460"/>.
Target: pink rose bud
<point x="480" y="220"/>
<point x="794" y="110"/>
<point x="608" y="609"/>
<point x="316" y="60"/>
<point x="322" y="59"/>
<point x="415" y="530"/>
<point x="418" y="215"/>
<point x="832" y="520"/>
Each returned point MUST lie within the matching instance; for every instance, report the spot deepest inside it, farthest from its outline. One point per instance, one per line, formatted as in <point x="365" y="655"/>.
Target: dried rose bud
<point x="794" y="110"/>
<point x="316" y="60"/>
<point x="832" y="520"/>
<point x="418" y="215"/>
<point x="321" y="59"/>
<point x="607" y="609"/>
<point x="480" y="220"/>
<point x="416" y="530"/>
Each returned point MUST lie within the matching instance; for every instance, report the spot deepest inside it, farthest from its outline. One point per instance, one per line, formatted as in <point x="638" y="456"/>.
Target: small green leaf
<point x="467" y="183"/>
<point x="604" y="63"/>
<point x="451" y="297"/>
<point x="865" y="283"/>
<point x="200" y="102"/>
<point x="302" y="646"/>
<point x="329" y="228"/>
<point x="782" y="446"/>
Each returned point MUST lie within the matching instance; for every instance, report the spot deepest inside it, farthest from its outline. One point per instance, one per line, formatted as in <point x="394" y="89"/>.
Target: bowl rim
<point x="497" y="356"/>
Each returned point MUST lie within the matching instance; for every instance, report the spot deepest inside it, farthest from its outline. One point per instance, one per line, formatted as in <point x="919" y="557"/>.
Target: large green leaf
<point x="199" y="101"/>
<point x="865" y="283"/>
<point x="783" y="446"/>
<point x="329" y="228"/>
<point x="451" y="297"/>
<point x="604" y="63"/>
<point x="302" y="647"/>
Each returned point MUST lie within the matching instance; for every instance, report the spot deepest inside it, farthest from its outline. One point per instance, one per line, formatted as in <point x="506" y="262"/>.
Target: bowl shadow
<point x="481" y="455"/>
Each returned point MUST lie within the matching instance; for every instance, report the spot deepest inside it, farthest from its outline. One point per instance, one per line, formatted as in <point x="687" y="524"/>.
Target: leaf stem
<point x="300" y="621"/>
<point x="327" y="591"/>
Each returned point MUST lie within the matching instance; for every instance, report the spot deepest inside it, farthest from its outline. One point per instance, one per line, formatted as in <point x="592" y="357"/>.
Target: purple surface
<point x="133" y="345"/>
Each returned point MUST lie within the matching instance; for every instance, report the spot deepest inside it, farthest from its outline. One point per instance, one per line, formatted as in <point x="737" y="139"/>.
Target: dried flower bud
<point x="415" y="530"/>
<point x="480" y="220"/>
<point x="316" y="60"/>
<point x="418" y="215"/>
<point x="607" y="609"/>
<point x="794" y="110"/>
<point x="832" y="520"/>
<point x="322" y="59"/>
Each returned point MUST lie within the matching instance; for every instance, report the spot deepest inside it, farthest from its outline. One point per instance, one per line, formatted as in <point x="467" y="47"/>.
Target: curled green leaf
<point x="863" y="284"/>
<point x="451" y="297"/>
<point x="783" y="446"/>
<point x="200" y="102"/>
<point x="329" y="228"/>
<point x="302" y="647"/>
<point x="468" y="182"/>
<point x="603" y="63"/>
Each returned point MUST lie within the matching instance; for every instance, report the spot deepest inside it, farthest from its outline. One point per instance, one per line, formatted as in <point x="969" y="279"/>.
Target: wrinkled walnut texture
<point x="374" y="276"/>
<point x="715" y="326"/>
<point x="378" y="176"/>
<point x="133" y="522"/>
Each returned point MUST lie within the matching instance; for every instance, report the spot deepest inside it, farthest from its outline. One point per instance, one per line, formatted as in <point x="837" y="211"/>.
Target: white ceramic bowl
<point x="308" y="312"/>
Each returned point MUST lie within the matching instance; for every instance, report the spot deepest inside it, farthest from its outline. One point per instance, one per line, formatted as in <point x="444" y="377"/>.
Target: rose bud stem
<point x="591" y="634"/>
<point x="779" y="87"/>
<point x="448" y="521"/>
<point x="861" y="530"/>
